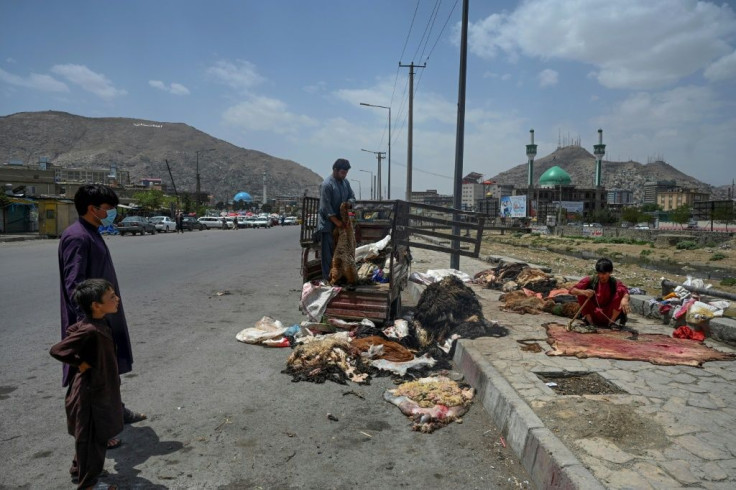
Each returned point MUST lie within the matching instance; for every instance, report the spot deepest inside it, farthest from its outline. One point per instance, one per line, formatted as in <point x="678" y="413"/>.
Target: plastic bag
<point x="699" y="313"/>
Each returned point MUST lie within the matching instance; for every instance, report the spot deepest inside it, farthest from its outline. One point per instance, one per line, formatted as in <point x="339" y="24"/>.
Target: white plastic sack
<point x="371" y="250"/>
<point x="436" y="275"/>
<point x="265" y="328"/>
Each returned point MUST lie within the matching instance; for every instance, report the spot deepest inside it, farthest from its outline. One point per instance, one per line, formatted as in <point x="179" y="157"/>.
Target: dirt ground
<point x="575" y="418"/>
<point x="555" y="252"/>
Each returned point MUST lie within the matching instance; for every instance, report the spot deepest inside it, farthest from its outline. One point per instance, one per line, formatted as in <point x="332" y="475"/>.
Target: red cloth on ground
<point x="685" y="332"/>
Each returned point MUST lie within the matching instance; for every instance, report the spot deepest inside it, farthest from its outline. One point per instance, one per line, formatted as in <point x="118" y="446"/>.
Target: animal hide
<point x="320" y="360"/>
<point x="614" y="344"/>
<point x="520" y="302"/>
<point x="431" y="403"/>
<point x="343" y="259"/>
<point x="391" y="351"/>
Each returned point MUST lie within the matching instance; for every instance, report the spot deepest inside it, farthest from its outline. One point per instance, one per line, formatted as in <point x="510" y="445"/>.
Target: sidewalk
<point x="674" y="427"/>
<point x="19" y="237"/>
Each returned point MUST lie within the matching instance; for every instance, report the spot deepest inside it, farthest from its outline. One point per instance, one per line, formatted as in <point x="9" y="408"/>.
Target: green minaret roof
<point x="553" y="177"/>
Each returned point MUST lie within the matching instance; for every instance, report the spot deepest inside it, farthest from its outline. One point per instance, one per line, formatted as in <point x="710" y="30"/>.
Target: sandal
<point x="131" y="417"/>
<point x="114" y="443"/>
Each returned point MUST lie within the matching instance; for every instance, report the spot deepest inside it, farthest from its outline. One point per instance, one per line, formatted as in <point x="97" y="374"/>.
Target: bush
<point x="645" y="252"/>
<point x="717" y="256"/>
<point x="728" y="281"/>
<point x="687" y="245"/>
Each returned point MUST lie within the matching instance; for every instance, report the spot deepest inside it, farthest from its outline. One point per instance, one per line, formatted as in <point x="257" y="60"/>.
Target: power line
<point x="443" y="30"/>
<point x="427" y="30"/>
<point x="423" y="171"/>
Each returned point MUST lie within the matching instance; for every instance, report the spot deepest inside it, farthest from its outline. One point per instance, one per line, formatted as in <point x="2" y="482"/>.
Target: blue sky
<point x="286" y="77"/>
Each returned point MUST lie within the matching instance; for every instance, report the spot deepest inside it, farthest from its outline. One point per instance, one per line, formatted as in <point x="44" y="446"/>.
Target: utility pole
<point x="460" y="136"/>
<point x="379" y="155"/>
<point x="172" y="182"/>
<point x="410" y="138"/>
<point x="531" y="152"/>
<point x="198" y="187"/>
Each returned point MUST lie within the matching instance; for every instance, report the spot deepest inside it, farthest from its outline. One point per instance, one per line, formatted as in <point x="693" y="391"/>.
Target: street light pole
<point x="369" y="172"/>
<point x="379" y="155"/>
<point x="360" y="191"/>
<point x="197" y="152"/>
<point x="388" y="189"/>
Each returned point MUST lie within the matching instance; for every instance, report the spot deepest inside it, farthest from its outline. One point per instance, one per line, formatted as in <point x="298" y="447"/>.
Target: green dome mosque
<point x="554" y="177"/>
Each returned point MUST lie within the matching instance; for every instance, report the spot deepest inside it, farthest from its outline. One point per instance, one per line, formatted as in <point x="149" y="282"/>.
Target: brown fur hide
<point x="343" y="259"/>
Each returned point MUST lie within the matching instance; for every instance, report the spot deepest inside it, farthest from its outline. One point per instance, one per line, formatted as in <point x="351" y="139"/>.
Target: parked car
<point x="290" y="220"/>
<point x="641" y="227"/>
<point x="258" y="222"/>
<point x="190" y="223"/>
<point x="243" y="222"/>
<point x="135" y="225"/>
<point x="211" y="221"/>
<point x="163" y="223"/>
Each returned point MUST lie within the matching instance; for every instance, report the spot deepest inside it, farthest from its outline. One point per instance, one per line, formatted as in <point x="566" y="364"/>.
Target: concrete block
<point x="553" y="466"/>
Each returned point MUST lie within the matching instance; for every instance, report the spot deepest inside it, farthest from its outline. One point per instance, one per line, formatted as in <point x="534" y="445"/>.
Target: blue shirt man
<point x="334" y="191"/>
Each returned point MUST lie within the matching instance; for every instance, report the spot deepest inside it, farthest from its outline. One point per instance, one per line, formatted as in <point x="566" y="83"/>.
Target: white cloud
<point x="722" y="69"/>
<point x="548" y="78"/>
<point x="44" y="83"/>
<point x="96" y="83"/>
<point x="174" y="88"/>
<point x="680" y="108"/>
<point x="10" y="60"/>
<point x="315" y="88"/>
<point x="241" y="75"/>
<point x="266" y="114"/>
<point x="632" y="44"/>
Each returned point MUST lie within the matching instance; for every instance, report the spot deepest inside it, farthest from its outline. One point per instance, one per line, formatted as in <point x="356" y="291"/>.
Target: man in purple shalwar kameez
<point x="83" y="254"/>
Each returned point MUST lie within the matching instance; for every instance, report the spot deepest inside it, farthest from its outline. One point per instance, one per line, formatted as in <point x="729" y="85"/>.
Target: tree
<point x="631" y="214"/>
<point x="724" y="213"/>
<point x="150" y="201"/>
<point x="266" y="208"/>
<point x="602" y="216"/>
<point x="681" y="215"/>
<point x="650" y="207"/>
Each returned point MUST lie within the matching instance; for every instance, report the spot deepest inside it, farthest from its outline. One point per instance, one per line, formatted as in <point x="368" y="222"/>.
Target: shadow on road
<point x="139" y="444"/>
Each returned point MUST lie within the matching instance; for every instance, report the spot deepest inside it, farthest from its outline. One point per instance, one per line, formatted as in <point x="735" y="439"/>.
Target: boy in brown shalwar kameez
<point x="94" y="411"/>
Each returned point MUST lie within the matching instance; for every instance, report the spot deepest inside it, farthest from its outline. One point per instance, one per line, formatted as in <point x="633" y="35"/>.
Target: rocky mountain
<point x="580" y="164"/>
<point x="141" y="147"/>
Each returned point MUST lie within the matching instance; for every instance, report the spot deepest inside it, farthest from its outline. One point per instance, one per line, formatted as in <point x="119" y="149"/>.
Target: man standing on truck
<point x="334" y="191"/>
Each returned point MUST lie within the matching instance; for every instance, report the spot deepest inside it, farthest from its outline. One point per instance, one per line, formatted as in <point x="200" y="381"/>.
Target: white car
<point x="163" y="223"/>
<point x="211" y="221"/>
<point x="258" y="222"/>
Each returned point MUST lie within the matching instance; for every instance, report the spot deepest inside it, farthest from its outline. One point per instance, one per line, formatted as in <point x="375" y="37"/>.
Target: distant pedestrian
<point x="235" y="223"/>
<point x="94" y="411"/>
<point x="180" y="222"/>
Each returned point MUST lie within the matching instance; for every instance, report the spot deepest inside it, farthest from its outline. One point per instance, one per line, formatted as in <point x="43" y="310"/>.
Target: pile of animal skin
<point x="432" y="402"/>
<point x="449" y="309"/>
<point x="330" y="358"/>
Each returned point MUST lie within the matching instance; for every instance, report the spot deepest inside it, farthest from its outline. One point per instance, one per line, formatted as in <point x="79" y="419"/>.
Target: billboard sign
<point x="513" y="207"/>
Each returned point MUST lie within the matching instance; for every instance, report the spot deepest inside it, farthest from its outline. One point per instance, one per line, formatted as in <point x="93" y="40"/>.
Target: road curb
<point x="549" y="462"/>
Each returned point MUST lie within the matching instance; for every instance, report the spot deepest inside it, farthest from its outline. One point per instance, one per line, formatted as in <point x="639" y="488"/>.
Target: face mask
<point x="110" y="218"/>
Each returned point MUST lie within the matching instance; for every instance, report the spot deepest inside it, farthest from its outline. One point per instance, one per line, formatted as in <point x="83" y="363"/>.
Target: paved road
<point x="221" y="413"/>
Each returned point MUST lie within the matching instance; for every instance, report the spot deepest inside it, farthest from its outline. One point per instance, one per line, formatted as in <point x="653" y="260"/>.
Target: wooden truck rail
<point x="410" y="225"/>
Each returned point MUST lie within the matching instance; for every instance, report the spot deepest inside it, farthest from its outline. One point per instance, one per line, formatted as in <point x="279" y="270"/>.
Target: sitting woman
<point x="604" y="299"/>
